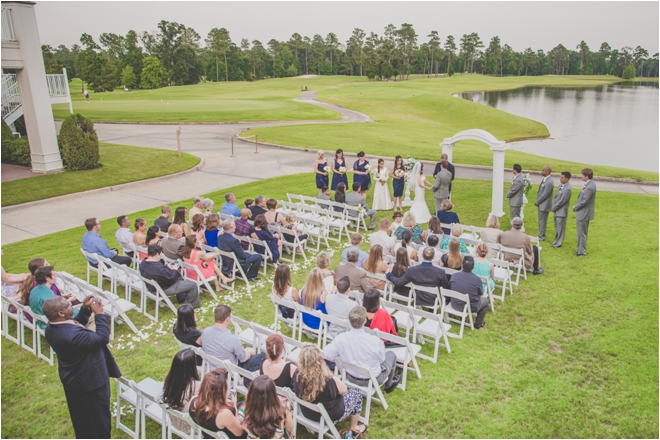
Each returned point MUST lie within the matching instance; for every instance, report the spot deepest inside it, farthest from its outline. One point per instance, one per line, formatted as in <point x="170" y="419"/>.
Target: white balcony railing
<point x="11" y="96"/>
<point x="7" y="26"/>
<point x="57" y="85"/>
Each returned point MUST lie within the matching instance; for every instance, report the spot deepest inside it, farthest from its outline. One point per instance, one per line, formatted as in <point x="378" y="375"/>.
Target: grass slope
<point x="121" y="164"/>
<point x="573" y="353"/>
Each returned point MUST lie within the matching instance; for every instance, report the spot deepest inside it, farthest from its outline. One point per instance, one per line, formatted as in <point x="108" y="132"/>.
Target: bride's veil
<point x="414" y="177"/>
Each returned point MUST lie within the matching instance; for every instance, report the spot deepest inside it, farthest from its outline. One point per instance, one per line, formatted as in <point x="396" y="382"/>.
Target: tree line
<point x="177" y="55"/>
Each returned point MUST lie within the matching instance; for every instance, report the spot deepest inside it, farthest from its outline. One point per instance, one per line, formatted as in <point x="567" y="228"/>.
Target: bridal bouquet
<point x="382" y="177"/>
<point x="342" y="170"/>
<point x="399" y="174"/>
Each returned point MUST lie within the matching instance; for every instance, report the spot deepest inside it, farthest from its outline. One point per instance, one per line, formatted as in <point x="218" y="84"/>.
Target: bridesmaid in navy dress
<point x="337" y="176"/>
<point x="361" y="173"/>
<point x="398" y="183"/>
<point x="319" y="169"/>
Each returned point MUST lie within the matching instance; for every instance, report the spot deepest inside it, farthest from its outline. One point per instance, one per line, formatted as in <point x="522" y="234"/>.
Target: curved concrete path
<point x="212" y="143"/>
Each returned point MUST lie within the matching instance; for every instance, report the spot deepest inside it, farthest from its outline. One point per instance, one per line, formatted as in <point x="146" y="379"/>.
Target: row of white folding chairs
<point x="20" y="314"/>
<point x="346" y="216"/>
<point x="235" y="271"/>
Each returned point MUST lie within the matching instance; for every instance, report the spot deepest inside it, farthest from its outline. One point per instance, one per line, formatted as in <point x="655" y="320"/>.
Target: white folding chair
<point x="39" y="334"/>
<point x="294" y="243"/>
<point x="432" y="327"/>
<point x="227" y="261"/>
<point x="312" y="333"/>
<point x="192" y="273"/>
<point x="451" y="311"/>
<point x="405" y="352"/>
<point x="148" y="398"/>
<point x="133" y="281"/>
<point x="317" y="230"/>
<point x="404" y="319"/>
<point x="237" y="376"/>
<point x="243" y="330"/>
<point x="28" y="343"/>
<point x="183" y="420"/>
<point x="11" y="316"/>
<point x="488" y="291"/>
<point x="433" y="292"/>
<point x="518" y="267"/>
<point x="329" y="320"/>
<point x="126" y="393"/>
<point x="116" y="307"/>
<point x="294" y="198"/>
<point x="101" y="270"/>
<point x="502" y="277"/>
<point x="536" y="242"/>
<point x="387" y="291"/>
<point x="289" y="323"/>
<point x="156" y="296"/>
<point x="325" y="425"/>
<point x="372" y="390"/>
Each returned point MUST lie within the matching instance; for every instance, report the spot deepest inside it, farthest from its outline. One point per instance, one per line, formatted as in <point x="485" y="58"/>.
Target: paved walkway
<point x="212" y="143"/>
<point x="15" y="172"/>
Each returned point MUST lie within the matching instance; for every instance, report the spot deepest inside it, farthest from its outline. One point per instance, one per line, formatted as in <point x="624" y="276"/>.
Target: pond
<point x="614" y="125"/>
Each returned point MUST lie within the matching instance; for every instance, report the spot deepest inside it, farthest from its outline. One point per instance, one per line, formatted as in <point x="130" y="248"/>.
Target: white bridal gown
<point x="419" y="206"/>
<point x="382" y="200"/>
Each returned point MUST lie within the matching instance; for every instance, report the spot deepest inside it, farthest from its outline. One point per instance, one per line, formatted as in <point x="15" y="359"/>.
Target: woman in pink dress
<point x="204" y="261"/>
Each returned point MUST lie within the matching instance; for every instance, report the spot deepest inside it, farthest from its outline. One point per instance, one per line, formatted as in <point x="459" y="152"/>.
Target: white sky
<point x="539" y="25"/>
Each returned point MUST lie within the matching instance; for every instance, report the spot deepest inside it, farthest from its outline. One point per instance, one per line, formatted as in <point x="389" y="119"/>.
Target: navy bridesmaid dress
<point x="363" y="179"/>
<point x="339" y="178"/>
<point x="399" y="184"/>
<point x="321" y="180"/>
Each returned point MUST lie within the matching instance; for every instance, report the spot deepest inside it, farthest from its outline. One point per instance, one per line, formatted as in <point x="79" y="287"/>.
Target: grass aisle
<point x="573" y="353"/>
<point x="121" y="164"/>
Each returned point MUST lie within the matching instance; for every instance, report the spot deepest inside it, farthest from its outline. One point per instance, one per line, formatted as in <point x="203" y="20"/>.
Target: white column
<point x="447" y="149"/>
<point x="38" y="114"/>
<point x="498" y="181"/>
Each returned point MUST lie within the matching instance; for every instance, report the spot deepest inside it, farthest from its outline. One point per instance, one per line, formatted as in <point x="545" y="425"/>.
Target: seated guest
<point x="185" y="328"/>
<point x="339" y="305"/>
<point x="424" y="274"/>
<point x="401" y="265"/>
<point x="229" y="207"/>
<point x="434" y="243"/>
<point x="30" y="283"/>
<point x="259" y="207"/>
<point x="197" y="208"/>
<point x="340" y="196"/>
<point x="208" y="206"/>
<point x="180" y="215"/>
<point x="376" y="265"/>
<point x="45" y="277"/>
<point x="124" y="236"/>
<point x="198" y="228"/>
<point x="248" y="203"/>
<point x="163" y="222"/>
<point x="221" y="343"/>
<point x="362" y="349"/>
<point x="272" y="240"/>
<point x="283" y="289"/>
<point x="214" y="409"/>
<point x="290" y="224"/>
<point x="323" y="262"/>
<point x="11" y="283"/>
<point x="410" y="224"/>
<point x="313" y="296"/>
<point x="212" y="231"/>
<point x="446" y="215"/>
<point x="453" y="259"/>
<point x="324" y="195"/>
<point x="204" y="261"/>
<point x="244" y="228"/>
<point x="468" y="283"/>
<point x="357" y="276"/>
<point x="397" y="221"/>
<point x="456" y="232"/>
<point x="93" y="243"/>
<point x="313" y="382"/>
<point x="435" y="228"/>
<point x="139" y="238"/>
<point x="483" y="267"/>
<point x="378" y="318"/>
<point x="382" y="237"/>
<point x="152" y="237"/>
<point x="406" y="238"/>
<point x="356" y="199"/>
<point x="250" y="263"/>
<point x="356" y="242"/>
<point x="172" y="244"/>
<point x="266" y="416"/>
<point x="272" y="216"/>
<point x="274" y="366"/>
<point x="491" y="234"/>
<point x="517" y="239"/>
<point x="168" y="278"/>
<point x="181" y="385"/>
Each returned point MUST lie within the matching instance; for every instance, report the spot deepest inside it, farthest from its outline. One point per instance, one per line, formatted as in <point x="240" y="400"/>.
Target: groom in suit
<point x="515" y="194"/>
<point x="544" y="200"/>
<point x="450" y="168"/>
<point x="442" y="184"/>
<point x="584" y="210"/>
<point x="560" y="208"/>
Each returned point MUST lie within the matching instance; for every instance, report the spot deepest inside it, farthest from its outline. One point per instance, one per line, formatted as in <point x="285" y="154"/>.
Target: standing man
<point x="560" y="208"/>
<point x="442" y="185"/>
<point x="544" y="200"/>
<point x="450" y="167"/>
<point x="584" y="210"/>
<point x="515" y="194"/>
<point x="84" y="362"/>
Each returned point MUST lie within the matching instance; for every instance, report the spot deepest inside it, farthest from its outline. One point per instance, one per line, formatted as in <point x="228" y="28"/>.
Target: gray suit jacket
<point x="357" y="276"/>
<point x="544" y="196"/>
<point x="584" y="208"/>
<point x="323" y="197"/>
<point x="562" y="198"/>
<point x="441" y="186"/>
<point x="354" y="199"/>
<point x="515" y="194"/>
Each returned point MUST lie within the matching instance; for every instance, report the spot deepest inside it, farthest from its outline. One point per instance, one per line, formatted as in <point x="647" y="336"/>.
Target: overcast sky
<point x="539" y="25"/>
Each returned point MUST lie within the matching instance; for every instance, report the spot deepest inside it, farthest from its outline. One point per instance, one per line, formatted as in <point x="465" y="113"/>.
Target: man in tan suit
<point x="517" y="239"/>
<point x="357" y="276"/>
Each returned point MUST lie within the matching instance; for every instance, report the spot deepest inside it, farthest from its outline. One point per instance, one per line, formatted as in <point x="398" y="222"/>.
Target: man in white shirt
<point x="359" y="348"/>
<point x="433" y="242"/>
<point x="382" y="237"/>
<point x="124" y="235"/>
<point x="197" y="207"/>
<point x="339" y="305"/>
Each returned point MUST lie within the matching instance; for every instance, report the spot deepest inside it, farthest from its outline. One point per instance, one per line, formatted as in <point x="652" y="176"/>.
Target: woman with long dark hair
<point x="381" y="200"/>
<point x="400" y="267"/>
<point x="272" y="240"/>
<point x="340" y="196"/>
<point x="212" y="410"/>
<point x="339" y="170"/>
<point x="265" y="415"/>
<point x="283" y="289"/>
<point x="181" y="384"/>
<point x="361" y="173"/>
<point x="180" y="215"/>
<point x="204" y="261"/>
<point x="398" y="181"/>
<point x="185" y="328"/>
<point x="377" y="318"/>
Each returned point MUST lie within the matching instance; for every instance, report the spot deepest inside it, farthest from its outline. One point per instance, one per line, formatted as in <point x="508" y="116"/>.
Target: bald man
<point x="173" y="244"/>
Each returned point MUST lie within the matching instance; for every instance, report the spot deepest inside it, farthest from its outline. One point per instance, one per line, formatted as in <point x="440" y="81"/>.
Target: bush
<point x="14" y="151"/>
<point x="629" y="73"/>
<point x="79" y="144"/>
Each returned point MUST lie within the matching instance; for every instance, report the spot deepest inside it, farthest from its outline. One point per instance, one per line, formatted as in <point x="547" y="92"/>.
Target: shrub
<point x="629" y="73"/>
<point x="79" y="144"/>
<point x="14" y="151"/>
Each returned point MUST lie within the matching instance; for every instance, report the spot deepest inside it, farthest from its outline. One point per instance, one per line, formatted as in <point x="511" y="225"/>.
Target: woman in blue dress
<point x="339" y="176"/>
<point x="272" y="240"/>
<point x="312" y="296"/>
<point x="321" y="170"/>
<point x="398" y="183"/>
<point x="361" y="170"/>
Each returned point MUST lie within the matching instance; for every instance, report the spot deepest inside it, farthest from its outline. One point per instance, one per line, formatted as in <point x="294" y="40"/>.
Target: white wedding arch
<point x="498" y="147"/>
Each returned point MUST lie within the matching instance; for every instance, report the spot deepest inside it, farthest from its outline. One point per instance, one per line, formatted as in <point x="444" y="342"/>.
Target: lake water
<point x="613" y="125"/>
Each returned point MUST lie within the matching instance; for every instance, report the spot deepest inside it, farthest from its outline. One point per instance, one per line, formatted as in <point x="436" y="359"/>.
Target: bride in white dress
<point x="419" y="206"/>
<point x="382" y="200"/>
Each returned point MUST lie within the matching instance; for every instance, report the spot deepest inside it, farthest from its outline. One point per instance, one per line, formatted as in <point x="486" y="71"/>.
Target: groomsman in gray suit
<point x="560" y="208"/>
<point x="544" y="200"/>
<point x="442" y="184"/>
<point x="515" y="194"/>
<point x="584" y="210"/>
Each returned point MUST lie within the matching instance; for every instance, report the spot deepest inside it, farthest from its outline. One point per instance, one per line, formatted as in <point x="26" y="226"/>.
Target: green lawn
<point x="572" y="354"/>
<point x="121" y="164"/>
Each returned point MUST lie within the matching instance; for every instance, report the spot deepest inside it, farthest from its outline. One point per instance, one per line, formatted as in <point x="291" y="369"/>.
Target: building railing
<point x="11" y="95"/>
<point x="57" y="85"/>
<point x="7" y="25"/>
